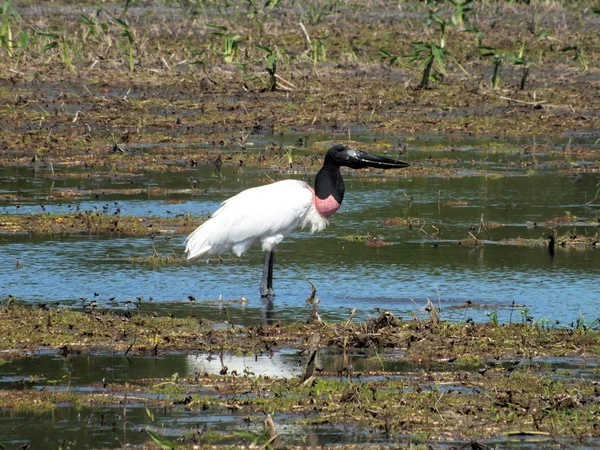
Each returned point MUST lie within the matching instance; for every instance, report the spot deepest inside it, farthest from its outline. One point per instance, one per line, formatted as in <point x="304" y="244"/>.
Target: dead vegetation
<point x="117" y="91"/>
<point x="94" y="223"/>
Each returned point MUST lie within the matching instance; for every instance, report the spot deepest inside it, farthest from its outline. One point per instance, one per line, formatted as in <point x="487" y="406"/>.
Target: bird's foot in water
<point x="266" y="292"/>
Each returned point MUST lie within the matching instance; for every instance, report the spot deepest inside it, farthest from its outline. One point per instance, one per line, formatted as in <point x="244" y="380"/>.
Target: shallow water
<point x="111" y="426"/>
<point x="399" y="277"/>
<point x="94" y="371"/>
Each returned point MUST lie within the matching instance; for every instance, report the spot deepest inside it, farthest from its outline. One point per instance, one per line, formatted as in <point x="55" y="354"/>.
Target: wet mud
<point x="118" y="92"/>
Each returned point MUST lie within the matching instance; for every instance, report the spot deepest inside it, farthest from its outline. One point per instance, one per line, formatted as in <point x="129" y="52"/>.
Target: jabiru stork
<point x="269" y="213"/>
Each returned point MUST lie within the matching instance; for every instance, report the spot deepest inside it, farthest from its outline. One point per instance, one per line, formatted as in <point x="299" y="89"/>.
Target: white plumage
<point x="265" y="213"/>
<point x="269" y="213"/>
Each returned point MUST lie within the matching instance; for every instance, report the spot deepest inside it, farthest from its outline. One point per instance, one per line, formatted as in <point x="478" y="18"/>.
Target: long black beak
<point x="358" y="159"/>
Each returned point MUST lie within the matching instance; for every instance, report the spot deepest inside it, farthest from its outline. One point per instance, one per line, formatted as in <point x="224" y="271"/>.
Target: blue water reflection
<point x="423" y="263"/>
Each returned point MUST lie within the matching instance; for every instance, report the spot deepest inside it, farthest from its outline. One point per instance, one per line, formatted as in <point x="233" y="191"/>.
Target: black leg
<point x="270" y="277"/>
<point x="263" y="282"/>
<point x="266" y="283"/>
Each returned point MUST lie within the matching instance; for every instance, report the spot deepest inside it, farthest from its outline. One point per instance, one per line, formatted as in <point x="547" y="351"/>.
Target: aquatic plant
<point x="493" y="317"/>
<point x="161" y="441"/>
<point x="583" y="326"/>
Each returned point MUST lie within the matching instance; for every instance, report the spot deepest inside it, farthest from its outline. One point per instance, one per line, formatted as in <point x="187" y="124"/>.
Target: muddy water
<point x="112" y="426"/>
<point x="49" y="369"/>
<point x="106" y="428"/>
<point x="419" y="265"/>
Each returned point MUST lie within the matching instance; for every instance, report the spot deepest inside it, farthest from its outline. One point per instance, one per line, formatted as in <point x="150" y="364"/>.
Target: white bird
<point x="269" y="213"/>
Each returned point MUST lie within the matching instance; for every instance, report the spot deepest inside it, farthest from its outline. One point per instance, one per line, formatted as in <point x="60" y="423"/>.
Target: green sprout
<point x="520" y="60"/>
<point x="256" y="9"/>
<point x="92" y="25"/>
<point x="271" y="59"/>
<point x="432" y="55"/>
<point x="161" y="441"/>
<point x="478" y="35"/>
<point x="230" y="42"/>
<point x="9" y="17"/>
<point x="318" y="11"/>
<point x="428" y="54"/>
<point x="317" y="52"/>
<point x="388" y="57"/>
<point x="497" y="60"/>
<point x="578" y="55"/>
<point x="460" y="10"/>
<point x="493" y="317"/>
<point x="61" y="44"/>
<point x="126" y="33"/>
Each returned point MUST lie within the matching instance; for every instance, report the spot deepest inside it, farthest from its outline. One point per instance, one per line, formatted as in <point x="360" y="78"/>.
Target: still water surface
<point x="420" y="265"/>
<point x="109" y="426"/>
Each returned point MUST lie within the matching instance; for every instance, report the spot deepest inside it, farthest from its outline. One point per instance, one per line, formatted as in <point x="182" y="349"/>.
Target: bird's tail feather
<point x="197" y="243"/>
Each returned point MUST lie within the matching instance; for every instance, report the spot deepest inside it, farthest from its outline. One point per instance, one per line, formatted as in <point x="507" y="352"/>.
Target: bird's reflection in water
<point x="266" y="312"/>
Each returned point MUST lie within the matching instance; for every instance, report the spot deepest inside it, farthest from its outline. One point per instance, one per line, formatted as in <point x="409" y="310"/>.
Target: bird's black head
<point x="340" y="155"/>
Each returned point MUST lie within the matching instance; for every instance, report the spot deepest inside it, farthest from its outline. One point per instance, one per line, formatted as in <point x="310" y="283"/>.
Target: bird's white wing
<point x="266" y="213"/>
